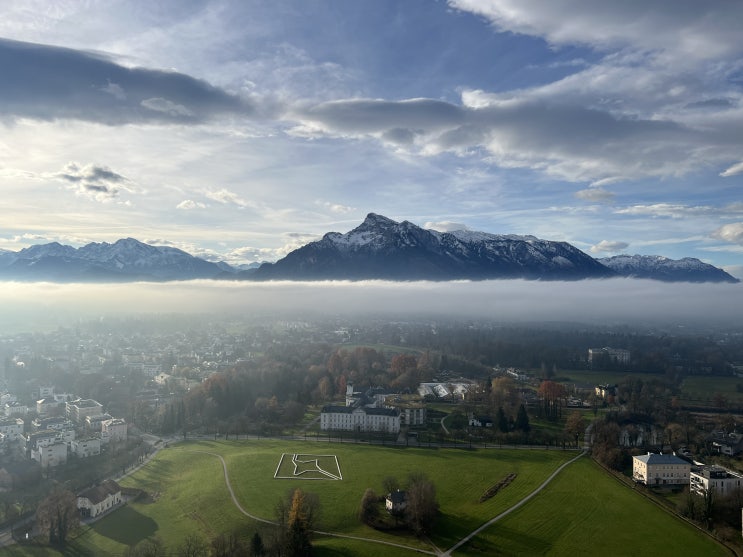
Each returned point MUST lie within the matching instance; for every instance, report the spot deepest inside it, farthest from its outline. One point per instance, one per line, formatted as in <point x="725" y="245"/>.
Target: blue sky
<point x="241" y="130"/>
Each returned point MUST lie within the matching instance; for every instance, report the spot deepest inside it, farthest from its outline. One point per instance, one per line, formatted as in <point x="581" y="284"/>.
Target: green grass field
<point x="186" y="494"/>
<point x="703" y="389"/>
<point x="585" y="512"/>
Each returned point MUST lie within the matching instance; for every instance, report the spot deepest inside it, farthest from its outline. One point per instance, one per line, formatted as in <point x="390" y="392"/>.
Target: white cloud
<point x="670" y="210"/>
<point x="698" y="30"/>
<point x="227" y="197"/>
<point x="606" y="246"/>
<point x="730" y="233"/>
<point x="189" y="204"/>
<point x="337" y="207"/>
<point x="445" y="226"/>
<point x="733" y="170"/>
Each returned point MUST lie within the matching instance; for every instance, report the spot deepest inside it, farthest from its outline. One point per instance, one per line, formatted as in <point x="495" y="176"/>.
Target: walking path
<point x="492" y="521"/>
<point x="436" y="551"/>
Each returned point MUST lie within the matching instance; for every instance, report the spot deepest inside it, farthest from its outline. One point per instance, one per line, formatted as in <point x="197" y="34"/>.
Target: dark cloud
<point x="371" y="116"/>
<point x="48" y="83"/>
<point x="711" y="103"/>
<point x="99" y="182"/>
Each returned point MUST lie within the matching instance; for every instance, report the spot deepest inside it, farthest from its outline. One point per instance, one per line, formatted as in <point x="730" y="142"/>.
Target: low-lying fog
<point x="24" y="306"/>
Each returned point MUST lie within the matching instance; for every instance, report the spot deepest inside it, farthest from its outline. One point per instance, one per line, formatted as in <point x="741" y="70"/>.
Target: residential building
<point x="78" y="410"/>
<point x="614" y="355"/>
<point x="604" y="391"/>
<point x="660" y="469"/>
<point x="348" y="418"/>
<point x="12" y="428"/>
<point x="15" y="409"/>
<point x="87" y="446"/>
<point x="49" y="456"/>
<point x="49" y="405"/>
<point x="721" y="480"/>
<point x="480" y="421"/>
<point x="93" y="423"/>
<point x="115" y="429"/>
<point x="99" y="499"/>
<point x="730" y="444"/>
<point x="396" y="502"/>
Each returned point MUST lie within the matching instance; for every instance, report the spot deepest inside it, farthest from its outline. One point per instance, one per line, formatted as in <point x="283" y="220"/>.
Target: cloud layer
<point x="615" y="301"/>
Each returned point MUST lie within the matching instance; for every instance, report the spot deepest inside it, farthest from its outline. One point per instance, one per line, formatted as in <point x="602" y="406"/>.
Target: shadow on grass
<point x="126" y="526"/>
<point x="507" y="541"/>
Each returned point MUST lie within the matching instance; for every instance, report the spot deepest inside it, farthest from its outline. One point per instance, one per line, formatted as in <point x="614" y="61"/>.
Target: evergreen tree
<point x="522" y="420"/>
<point x="502" y="420"/>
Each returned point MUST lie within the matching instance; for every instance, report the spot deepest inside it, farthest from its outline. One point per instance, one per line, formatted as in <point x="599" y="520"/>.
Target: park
<point x="207" y="488"/>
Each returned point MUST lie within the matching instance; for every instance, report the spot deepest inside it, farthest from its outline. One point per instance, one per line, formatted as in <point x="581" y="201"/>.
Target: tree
<point x="193" y="546"/>
<point x="227" y="545"/>
<point x="422" y="507"/>
<point x="575" y="425"/>
<point x="522" y="419"/>
<point x="295" y="520"/>
<point x="298" y="539"/>
<point x="501" y="420"/>
<point x="256" y="546"/>
<point x="57" y="516"/>
<point x="369" y="510"/>
<point x="390" y="484"/>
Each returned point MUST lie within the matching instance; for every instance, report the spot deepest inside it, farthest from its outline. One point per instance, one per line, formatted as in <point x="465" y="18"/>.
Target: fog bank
<point x="45" y="305"/>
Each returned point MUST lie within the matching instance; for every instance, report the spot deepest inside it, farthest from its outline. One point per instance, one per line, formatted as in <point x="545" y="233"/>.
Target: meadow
<point x="579" y="512"/>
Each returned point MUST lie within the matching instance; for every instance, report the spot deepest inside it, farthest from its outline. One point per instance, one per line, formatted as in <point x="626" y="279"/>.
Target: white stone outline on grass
<point x="313" y="458"/>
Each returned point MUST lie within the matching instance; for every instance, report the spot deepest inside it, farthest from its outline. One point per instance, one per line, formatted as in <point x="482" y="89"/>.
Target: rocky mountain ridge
<point x="379" y="248"/>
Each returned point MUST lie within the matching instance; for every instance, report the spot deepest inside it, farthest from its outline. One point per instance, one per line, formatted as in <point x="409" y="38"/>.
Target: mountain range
<point x="379" y="248"/>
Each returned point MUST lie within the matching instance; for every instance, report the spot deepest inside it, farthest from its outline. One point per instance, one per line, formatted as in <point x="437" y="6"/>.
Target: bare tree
<point x="422" y="506"/>
<point x="193" y="546"/>
<point x="57" y="516"/>
<point x="369" y="510"/>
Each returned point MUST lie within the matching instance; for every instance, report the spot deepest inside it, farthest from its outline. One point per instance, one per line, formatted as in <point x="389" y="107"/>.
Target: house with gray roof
<point x="660" y="469"/>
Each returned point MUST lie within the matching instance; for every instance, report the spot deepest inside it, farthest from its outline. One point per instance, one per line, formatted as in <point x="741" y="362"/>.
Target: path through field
<point x="436" y="551"/>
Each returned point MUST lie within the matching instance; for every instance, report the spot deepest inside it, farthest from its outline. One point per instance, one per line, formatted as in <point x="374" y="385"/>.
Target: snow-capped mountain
<point x="125" y="260"/>
<point x="657" y="267"/>
<point x="381" y="248"/>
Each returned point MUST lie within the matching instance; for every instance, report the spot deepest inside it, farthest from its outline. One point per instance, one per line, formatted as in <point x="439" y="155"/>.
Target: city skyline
<point x="239" y="131"/>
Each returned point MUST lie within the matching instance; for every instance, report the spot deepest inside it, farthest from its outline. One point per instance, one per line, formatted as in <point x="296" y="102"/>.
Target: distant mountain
<point x="125" y="260"/>
<point x="381" y="248"/>
<point x="657" y="267"/>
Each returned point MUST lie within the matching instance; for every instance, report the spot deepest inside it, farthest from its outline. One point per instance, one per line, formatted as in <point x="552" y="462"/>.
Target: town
<point x="87" y="404"/>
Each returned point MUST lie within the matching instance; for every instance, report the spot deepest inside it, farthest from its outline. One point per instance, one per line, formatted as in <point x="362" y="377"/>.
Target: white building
<point x="347" y="418"/>
<point x="115" y="429"/>
<point x="12" y="428"/>
<point x="78" y="410"/>
<point x="88" y="446"/>
<point x="99" y="499"/>
<point x="660" y="469"/>
<point x="617" y="355"/>
<point x="49" y="456"/>
<point x="15" y="409"/>
<point x="717" y="478"/>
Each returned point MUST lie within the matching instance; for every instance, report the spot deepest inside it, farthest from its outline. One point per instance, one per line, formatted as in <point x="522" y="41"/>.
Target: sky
<point x="240" y="130"/>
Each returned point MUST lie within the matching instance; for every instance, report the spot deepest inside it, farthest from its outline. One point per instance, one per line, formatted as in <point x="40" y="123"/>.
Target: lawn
<point x="704" y="389"/>
<point x="585" y="512"/>
<point x="186" y="494"/>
